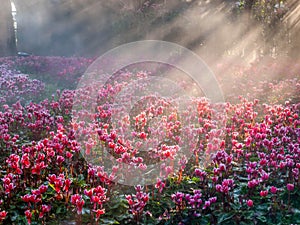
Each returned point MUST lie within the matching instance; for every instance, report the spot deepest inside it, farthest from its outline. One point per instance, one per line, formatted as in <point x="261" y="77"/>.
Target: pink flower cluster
<point x="60" y="68"/>
<point x="78" y="202"/>
<point x="251" y="149"/>
<point x="97" y="198"/>
<point x="137" y="202"/>
<point x="16" y="86"/>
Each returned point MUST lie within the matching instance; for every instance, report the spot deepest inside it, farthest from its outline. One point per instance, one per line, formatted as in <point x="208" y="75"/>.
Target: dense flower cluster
<point x="58" y="67"/>
<point x="16" y="86"/>
<point x="137" y="202"/>
<point x="270" y="80"/>
<point x="236" y="162"/>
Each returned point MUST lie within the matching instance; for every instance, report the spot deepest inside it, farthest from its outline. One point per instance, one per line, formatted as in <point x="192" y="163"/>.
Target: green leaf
<point x="86" y="211"/>
<point x="262" y="218"/>
<point x="59" y="210"/>
<point x="296" y="216"/>
<point x="235" y="206"/>
<point x="204" y="220"/>
<point x="122" y="217"/>
<point x="108" y="221"/>
<point x="225" y="216"/>
<point x="52" y="186"/>
<point x="263" y="207"/>
<point x="196" y="179"/>
<point x="15" y="216"/>
<point x="248" y="215"/>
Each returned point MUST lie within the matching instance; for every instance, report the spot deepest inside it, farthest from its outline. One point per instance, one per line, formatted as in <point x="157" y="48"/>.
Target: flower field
<point x="234" y="163"/>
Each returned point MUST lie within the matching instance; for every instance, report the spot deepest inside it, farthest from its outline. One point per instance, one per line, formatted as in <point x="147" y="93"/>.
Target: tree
<point x="7" y="33"/>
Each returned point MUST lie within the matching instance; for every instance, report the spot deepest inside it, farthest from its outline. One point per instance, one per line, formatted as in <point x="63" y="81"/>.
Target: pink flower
<point x="263" y="193"/>
<point x="60" y="159"/>
<point x="219" y="188"/>
<point x="213" y="199"/>
<point x="273" y="190"/>
<point x="28" y="216"/>
<point x="38" y="167"/>
<point x="78" y="202"/>
<point x="43" y="189"/>
<point x="67" y="185"/>
<point x="142" y="166"/>
<point x="159" y="185"/>
<point x="69" y="155"/>
<point x="88" y="193"/>
<point x="25" y="161"/>
<point x="249" y="203"/>
<point x="265" y="176"/>
<point x="214" y="179"/>
<point x="31" y="198"/>
<point x="201" y="174"/>
<point x="290" y="187"/>
<point x="206" y="204"/>
<point x="222" y="167"/>
<point x="263" y="162"/>
<point x="138" y="201"/>
<point x="45" y="209"/>
<point x="253" y="183"/>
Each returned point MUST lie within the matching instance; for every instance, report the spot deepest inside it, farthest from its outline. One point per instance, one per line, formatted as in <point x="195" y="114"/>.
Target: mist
<point x="225" y="35"/>
<point x="211" y="28"/>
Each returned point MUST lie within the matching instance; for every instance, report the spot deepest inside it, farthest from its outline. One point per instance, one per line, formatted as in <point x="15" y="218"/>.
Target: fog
<point x="211" y="28"/>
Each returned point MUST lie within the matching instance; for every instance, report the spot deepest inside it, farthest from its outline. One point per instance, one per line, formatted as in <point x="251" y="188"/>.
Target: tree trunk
<point x="7" y="33"/>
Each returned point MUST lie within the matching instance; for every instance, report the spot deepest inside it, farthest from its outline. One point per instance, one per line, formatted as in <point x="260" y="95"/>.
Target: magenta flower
<point x="78" y="202"/>
<point x="88" y="193"/>
<point x="28" y="216"/>
<point x="290" y="187"/>
<point x="263" y="193"/>
<point x="249" y="203"/>
<point x="273" y="190"/>
<point x="60" y="159"/>
<point x="222" y="167"/>
<point x="159" y="185"/>
<point x="138" y="201"/>
<point x="45" y="209"/>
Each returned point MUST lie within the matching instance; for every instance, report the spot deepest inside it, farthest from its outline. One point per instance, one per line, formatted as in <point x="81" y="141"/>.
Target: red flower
<point x="25" y="161"/>
<point x="111" y="145"/>
<point x="129" y="200"/>
<point x="38" y="167"/>
<point x="52" y="178"/>
<point x="143" y="135"/>
<point x="99" y="212"/>
<point x="2" y="215"/>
